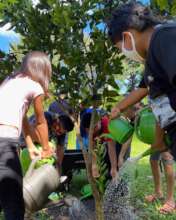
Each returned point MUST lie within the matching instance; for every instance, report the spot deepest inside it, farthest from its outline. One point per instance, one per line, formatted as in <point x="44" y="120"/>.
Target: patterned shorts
<point x="164" y="113"/>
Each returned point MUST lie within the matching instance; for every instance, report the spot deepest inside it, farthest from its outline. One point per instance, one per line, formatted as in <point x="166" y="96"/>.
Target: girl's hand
<point x="34" y="152"/>
<point x="115" y="112"/>
<point x="48" y="152"/>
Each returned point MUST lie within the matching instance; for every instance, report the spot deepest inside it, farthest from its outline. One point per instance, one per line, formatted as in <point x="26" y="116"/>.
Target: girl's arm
<point x="29" y="137"/>
<point x="42" y="127"/>
<point x="112" y="158"/>
<point x="134" y="97"/>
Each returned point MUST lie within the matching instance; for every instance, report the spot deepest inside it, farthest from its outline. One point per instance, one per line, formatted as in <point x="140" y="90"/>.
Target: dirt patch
<point x="68" y="210"/>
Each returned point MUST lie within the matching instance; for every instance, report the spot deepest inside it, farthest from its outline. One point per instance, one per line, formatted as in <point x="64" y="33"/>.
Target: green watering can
<point x="120" y="130"/>
<point x="25" y="160"/>
<point x="145" y="126"/>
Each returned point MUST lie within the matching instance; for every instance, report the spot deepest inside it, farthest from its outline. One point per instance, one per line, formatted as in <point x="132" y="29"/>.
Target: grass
<point x="143" y="186"/>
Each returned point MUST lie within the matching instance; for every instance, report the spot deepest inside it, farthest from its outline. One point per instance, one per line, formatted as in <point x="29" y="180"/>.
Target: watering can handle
<point x="137" y="125"/>
<point x="107" y="136"/>
<point x="31" y="167"/>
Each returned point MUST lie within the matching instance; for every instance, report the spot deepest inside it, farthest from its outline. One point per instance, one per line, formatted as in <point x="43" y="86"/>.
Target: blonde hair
<point x="37" y="66"/>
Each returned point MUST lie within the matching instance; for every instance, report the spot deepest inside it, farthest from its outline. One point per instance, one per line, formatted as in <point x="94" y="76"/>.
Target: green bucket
<point x="86" y="191"/>
<point x="120" y="130"/>
<point x="25" y="160"/>
<point x="145" y="126"/>
<point x="41" y="162"/>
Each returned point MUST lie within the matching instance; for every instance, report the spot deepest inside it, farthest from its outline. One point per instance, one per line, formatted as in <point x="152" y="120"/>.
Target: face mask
<point x="131" y="54"/>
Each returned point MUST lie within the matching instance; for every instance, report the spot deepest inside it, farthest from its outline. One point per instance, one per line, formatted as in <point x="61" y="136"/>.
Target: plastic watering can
<point x="38" y="184"/>
<point x="145" y="126"/>
<point x="120" y="130"/>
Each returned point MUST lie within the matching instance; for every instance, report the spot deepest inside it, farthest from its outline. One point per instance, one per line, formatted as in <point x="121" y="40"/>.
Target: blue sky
<point x="10" y="37"/>
<point x="7" y="38"/>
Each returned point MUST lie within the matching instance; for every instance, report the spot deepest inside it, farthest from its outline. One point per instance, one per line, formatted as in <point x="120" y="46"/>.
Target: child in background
<point x="27" y="85"/>
<point x="116" y="152"/>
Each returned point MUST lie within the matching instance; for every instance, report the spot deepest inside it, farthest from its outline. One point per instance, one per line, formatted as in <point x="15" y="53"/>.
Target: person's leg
<point x="156" y="177"/>
<point x="60" y="157"/>
<point x="154" y="162"/>
<point x="169" y="173"/>
<point x="159" y="144"/>
<point x="11" y="188"/>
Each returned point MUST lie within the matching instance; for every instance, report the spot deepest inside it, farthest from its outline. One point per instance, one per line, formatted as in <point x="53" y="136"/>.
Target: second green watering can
<point x="145" y="126"/>
<point x="120" y="130"/>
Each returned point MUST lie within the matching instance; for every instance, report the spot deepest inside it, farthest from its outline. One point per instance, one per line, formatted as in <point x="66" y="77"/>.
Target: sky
<point x="7" y="38"/>
<point x="10" y="37"/>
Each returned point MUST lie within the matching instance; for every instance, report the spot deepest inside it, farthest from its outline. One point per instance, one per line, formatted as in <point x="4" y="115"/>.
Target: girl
<point x="17" y="92"/>
<point x="142" y="38"/>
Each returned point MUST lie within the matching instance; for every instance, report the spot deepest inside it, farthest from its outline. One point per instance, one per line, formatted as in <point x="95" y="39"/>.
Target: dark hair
<point x="85" y="122"/>
<point x="66" y="122"/>
<point x="131" y="15"/>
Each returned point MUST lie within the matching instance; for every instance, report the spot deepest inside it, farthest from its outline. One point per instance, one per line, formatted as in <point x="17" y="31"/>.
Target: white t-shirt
<point x="16" y="95"/>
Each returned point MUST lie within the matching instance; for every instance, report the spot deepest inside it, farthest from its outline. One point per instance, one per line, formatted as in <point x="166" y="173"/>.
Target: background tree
<point x="165" y="7"/>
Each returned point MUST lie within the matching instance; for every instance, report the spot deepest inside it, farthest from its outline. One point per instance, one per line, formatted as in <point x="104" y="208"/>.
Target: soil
<point x="60" y="210"/>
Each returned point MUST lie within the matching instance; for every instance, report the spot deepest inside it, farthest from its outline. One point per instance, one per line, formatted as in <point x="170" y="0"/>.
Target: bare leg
<point x="169" y="173"/>
<point x="154" y="162"/>
<point x="156" y="177"/>
<point x="60" y="156"/>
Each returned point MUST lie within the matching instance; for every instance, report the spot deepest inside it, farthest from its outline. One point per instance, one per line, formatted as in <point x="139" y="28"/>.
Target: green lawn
<point x="144" y="186"/>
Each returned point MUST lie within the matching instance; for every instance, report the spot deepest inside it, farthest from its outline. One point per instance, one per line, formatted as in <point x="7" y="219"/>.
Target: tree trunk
<point x="99" y="209"/>
<point x="88" y="163"/>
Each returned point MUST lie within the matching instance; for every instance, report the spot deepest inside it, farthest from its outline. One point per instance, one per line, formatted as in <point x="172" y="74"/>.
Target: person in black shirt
<point x="141" y="37"/>
<point x="58" y="126"/>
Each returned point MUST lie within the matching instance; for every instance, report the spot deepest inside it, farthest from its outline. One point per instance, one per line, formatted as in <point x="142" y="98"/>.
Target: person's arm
<point x="134" y="97"/>
<point x="112" y="158"/>
<point x="28" y="135"/>
<point x="124" y="149"/>
<point x="41" y="127"/>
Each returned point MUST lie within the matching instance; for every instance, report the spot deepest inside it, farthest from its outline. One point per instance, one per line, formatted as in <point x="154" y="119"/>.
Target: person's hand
<point x="120" y="161"/>
<point x="47" y="152"/>
<point x="115" y="112"/>
<point x="34" y="152"/>
<point x="114" y="172"/>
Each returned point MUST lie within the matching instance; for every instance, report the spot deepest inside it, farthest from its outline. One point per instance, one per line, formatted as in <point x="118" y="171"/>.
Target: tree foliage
<point x="166" y="7"/>
<point x="74" y="34"/>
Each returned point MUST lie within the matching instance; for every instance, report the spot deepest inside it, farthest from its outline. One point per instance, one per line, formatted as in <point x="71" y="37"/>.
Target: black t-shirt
<point x="160" y="68"/>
